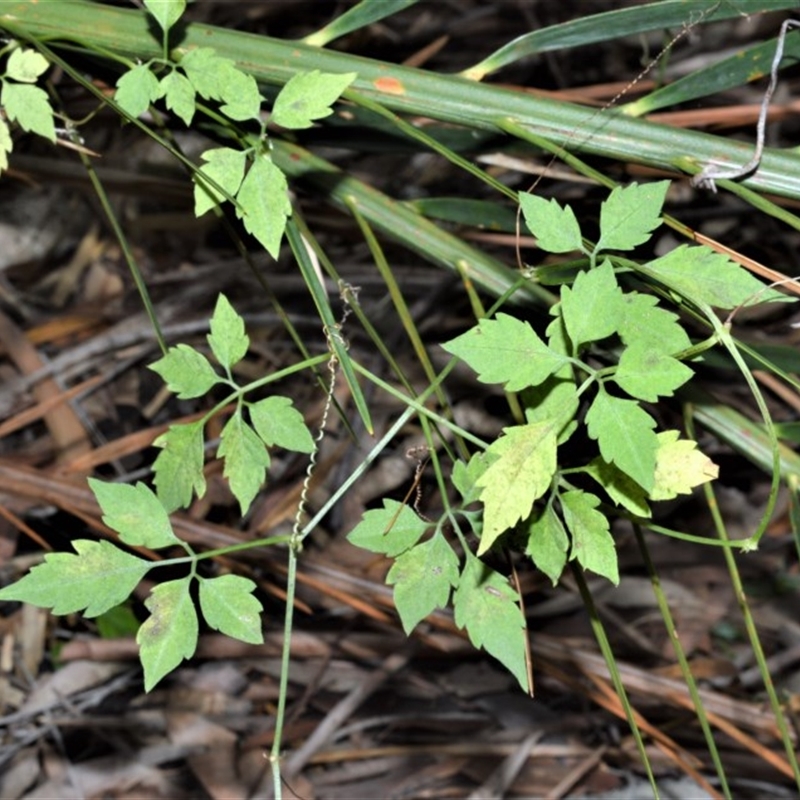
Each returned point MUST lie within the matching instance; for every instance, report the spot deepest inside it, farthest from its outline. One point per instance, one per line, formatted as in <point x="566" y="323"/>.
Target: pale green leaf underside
<point x="137" y="89"/>
<point x="622" y="489"/>
<point x="6" y="145"/>
<point x="624" y="432"/>
<point x="422" y="578"/>
<point x="98" y="578"/>
<point x="592" y="307"/>
<point x="228" y="605"/>
<point x="166" y="12"/>
<point x="592" y="544"/>
<point x="487" y="607"/>
<point x="225" y="166"/>
<point x="179" y="94"/>
<point x="390" y="530"/>
<point x="643" y="321"/>
<point x="279" y="423"/>
<point x="263" y="204"/>
<point x="630" y="215"/>
<point x="30" y="107"/>
<point x="506" y="350"/>
<point x="647" y="374"/>
<point x="308" y="96"/>
<point x="704" y="276"/>
<point x="178" y="467"/>
<point x="135" y="513"/>
<point x="547" y="543"/>
<point x="246" y="460"/>
<point x="25" y="65"/>
<point x="228" y="340"/>
<point x="186" y="372"/>
<point x="555" y="228"/>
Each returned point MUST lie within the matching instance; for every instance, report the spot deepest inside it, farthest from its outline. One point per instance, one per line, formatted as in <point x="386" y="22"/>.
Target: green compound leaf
<point x="308" y="96"/>
<point x="555" y="228"/>
<point x="228" y="606"/>
<point x="422" y="578"/>
<point x="263" y="204"/>
<point x="225" y="166"/>
<point x="591" y="309"/>
<point x="630" y="215"/>
<point x="6" y="145"/>
<point x="390" y="530"/>
<point x="166" y="12"/>
<point x="622" y="490"/>
<point x="704" y="276"/>
<point x="227" y="339"/>
<point x="488" y="608"/>
<point x="680" y="466"/>
<point x="135" y="513"/>
<point x="547" y="543"/>
<point x="643" y="321"/>
<point x="624" y="432"/>
<point x="246" y="459"/>
<point x="186" y="372"/>
<point x="592" y="544"/>
<point x="137" y="89"/>
<point x="647" y="374"/>
<point x="178" y="467"/>
<point x="506" y="350"/>
<point x="524" y="465"/>
<point x="98" y="578"/>
<point x="30" y="107"/>
<point x="25" y="65"/>
<point x="179" y="94"/>
<point x="279" y="423"/>
<point x="169" y="634"/>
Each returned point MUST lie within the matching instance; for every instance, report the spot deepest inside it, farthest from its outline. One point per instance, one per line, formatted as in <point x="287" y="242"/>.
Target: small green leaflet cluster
<point x="22" y="102"/>
<point x="273" y="421"/>
<point x="100" y="575"/>
<point x="425" y="572"/>
<point x="247" y="177"/>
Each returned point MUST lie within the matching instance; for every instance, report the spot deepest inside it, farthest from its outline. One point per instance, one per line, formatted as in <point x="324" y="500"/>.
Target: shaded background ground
<point x="372" y="714"/>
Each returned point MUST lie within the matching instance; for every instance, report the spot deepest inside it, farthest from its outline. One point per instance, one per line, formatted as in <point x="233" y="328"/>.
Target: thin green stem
<point x="686" y="671"/>
<point x="616" y="678"/>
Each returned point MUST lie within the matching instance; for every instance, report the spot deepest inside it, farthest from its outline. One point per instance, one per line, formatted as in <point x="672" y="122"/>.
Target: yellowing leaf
<point x="169" y="634"/>
<point x="680" y="466"/>
<point x="523" y="468"/>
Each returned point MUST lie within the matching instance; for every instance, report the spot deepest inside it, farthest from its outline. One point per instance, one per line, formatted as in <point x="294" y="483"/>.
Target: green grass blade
<point x="611" y="25"/>
<point x="359" y="16"/>
<point x="746" y="66"/>
<point x="325" y="312"/>
<point x="404" y="225"/>
<point x="412" y="91"/>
